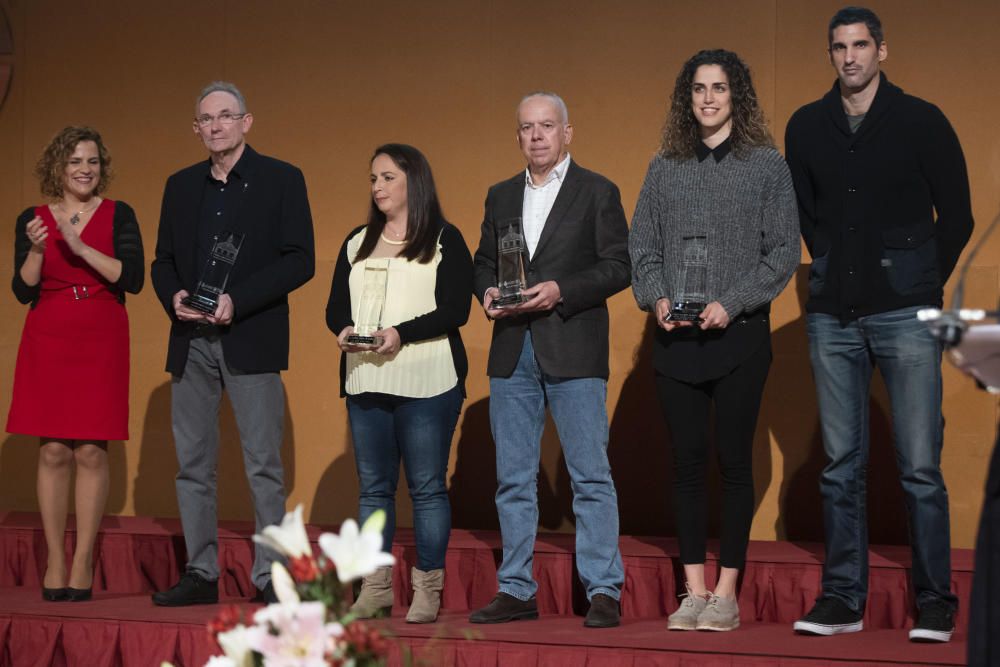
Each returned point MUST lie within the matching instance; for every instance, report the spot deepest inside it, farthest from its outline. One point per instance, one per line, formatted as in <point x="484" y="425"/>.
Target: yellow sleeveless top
<point x="420" y="369"/>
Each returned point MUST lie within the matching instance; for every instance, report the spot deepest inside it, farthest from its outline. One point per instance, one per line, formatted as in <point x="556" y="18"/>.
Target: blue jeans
<point x="517" y="418"/>
<point x="384" y="429"/>
<point x="909" y="359"/>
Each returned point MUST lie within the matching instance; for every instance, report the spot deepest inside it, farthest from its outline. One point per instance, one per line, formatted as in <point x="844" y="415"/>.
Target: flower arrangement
<point x="310" y="625"/>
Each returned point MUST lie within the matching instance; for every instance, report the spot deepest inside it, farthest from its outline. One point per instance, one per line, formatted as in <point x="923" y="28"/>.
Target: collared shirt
<point x="719" y="152"/>
<point x="538" y="200"/>
<point x="219" y="202"/>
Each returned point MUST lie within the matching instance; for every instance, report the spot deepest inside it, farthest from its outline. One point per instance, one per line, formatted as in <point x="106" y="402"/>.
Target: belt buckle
<point x="81" y="293"/>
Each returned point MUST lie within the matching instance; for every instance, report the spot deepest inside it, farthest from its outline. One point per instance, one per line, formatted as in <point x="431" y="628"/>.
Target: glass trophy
<point x="371" y="305"/>
<point x="689" y="302"/>
<point x="510" y="264"/>
<point x="215" y="276"/>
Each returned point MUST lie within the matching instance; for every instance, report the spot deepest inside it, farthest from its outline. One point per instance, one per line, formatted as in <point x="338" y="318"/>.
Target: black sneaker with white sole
<point x="935" y="622"/>
<point x="829" y="616"/>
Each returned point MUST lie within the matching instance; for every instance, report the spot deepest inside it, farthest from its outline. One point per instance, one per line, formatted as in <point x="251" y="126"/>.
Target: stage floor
<point x="115" y="629"/>
<point x="137" y="555"/>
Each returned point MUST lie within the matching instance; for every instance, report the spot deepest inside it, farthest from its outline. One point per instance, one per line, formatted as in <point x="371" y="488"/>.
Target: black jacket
<point x="584" y="249"/>
<point x="867" y="202"/>
<point x="276" y="257"/>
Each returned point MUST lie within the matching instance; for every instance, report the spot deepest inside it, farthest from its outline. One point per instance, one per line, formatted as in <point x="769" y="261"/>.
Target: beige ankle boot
<point x="376" y="595"/>
<point x="426" y="596"/>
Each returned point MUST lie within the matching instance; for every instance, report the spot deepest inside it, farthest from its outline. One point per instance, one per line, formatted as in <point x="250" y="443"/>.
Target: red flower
<point x="303" y="569"/>
<point x="228" y="618"/>
<point x="364" y="640"/>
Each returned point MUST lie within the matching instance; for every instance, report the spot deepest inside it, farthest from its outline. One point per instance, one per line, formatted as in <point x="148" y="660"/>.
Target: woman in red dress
<point x="74" y="260"/>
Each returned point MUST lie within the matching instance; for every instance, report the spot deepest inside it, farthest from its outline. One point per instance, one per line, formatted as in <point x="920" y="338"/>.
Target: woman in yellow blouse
<point x="404" y="393"/>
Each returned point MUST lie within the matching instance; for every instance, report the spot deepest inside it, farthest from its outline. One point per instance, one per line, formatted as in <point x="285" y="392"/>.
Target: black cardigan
<point x="452" y="293"/>
<point x="867" y="202"/>
<point x="127" y="245"/>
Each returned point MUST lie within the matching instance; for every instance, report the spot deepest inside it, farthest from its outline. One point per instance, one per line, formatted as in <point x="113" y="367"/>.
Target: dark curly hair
<point x="52" y="165"/>
<point x="682" y="133"/>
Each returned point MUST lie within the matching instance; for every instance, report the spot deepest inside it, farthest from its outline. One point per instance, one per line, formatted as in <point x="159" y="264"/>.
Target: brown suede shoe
<point x="603" y="612"/>
<point x="505" y="608"/>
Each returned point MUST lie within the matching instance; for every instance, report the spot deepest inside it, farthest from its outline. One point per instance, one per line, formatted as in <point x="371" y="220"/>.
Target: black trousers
<point x="984" y="608"/>
<point x="687" y="407"/>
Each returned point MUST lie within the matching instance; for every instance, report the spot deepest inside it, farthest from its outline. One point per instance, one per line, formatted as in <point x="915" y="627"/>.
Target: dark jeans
<point x="686" y="408"/>
<point x="386" y="428"/>
<point x="843" y="357"/>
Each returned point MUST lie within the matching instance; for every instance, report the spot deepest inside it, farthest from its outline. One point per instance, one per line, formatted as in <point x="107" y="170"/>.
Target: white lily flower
<point x="357" y="554"/>
<point x="235" y="644"/>
<point x="284" y="585"/>
<point x="291" y="635"/>
<point x="289" y="539"/>
<point x="222" y="661"/>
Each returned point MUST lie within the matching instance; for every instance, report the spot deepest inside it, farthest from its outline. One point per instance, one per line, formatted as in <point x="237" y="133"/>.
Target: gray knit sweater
<point x="746" y="208"/>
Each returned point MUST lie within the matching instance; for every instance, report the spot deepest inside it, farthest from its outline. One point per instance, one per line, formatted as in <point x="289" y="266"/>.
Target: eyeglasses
<point x="224" y="118"/>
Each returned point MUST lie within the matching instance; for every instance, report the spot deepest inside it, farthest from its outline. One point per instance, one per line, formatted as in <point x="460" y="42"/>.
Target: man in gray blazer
<point x="553" y="350"/>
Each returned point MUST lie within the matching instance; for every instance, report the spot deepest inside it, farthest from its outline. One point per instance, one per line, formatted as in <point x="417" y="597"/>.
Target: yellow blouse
<point x="420" y="369"/>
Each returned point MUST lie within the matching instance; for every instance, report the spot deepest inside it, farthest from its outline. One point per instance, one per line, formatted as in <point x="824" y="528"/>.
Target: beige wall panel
<point x="328" y="81"/>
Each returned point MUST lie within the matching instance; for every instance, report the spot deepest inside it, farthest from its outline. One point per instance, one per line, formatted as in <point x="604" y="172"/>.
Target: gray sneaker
<point x="720" y="614"/>
<point x="686" y="616"/>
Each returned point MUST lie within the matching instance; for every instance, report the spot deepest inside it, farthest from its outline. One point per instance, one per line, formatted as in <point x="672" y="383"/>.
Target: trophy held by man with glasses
<point x="689" y="301"/>
<point x="510" y="264"/>
<point x="371" y="306"/>
<point x="215" y="275"/>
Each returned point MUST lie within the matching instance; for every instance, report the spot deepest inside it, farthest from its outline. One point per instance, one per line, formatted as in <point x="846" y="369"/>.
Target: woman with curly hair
<point x="714" y="239"/>
<point x="73" y="261"/>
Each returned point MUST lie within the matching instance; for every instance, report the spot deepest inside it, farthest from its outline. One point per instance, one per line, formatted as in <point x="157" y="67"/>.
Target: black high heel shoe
<point x="78" y="594"/>
<point x="55" y="594"/>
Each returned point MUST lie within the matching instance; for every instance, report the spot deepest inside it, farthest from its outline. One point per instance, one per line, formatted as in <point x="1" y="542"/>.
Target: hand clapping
<point x="37" y="232"/>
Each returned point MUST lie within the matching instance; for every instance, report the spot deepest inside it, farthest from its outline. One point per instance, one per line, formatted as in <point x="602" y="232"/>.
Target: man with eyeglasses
<point x="243" y="345"/>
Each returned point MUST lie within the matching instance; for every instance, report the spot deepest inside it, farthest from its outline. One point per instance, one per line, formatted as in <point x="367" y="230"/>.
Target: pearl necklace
<point x="390" y="241"/>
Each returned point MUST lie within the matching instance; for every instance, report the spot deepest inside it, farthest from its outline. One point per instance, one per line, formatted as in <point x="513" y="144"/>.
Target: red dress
<point x="71" y="379"/>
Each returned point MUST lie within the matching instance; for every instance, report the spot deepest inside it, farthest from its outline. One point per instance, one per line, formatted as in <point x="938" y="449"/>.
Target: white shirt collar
<point x="558" y="172"/>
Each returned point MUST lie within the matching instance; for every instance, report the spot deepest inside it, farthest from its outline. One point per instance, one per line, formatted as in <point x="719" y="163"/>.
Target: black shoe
<point x="935" y="622"/>
<point x="191" y="589"/>
<point x="829" y="616"/>
<point x="79" y="594"/>
<point x="265" y="595"/>
<point x="505" y="608"/>
<point x="603" y="612"/>
<point x="54" y="594"/>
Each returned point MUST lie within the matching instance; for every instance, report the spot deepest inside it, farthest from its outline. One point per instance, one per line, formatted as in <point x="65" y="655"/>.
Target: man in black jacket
<point x="552" y="350"/>
<point x="243" y="344"/>
<point x="872" y="166"/>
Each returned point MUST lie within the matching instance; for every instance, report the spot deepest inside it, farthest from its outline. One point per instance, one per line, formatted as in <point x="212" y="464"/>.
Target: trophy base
<point x="365" y="341"/>
<point x="507" y="301"/>
<point x="201" y="303"/>
<point x="686" y="311"/>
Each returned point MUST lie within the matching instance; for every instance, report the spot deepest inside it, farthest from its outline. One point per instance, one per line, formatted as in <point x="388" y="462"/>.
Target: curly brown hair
<point x="52" y="165"/>
<point x="681" y="132"/>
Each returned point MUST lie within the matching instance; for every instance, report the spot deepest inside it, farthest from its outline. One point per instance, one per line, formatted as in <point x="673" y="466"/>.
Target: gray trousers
<point x="258" y="401"/>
